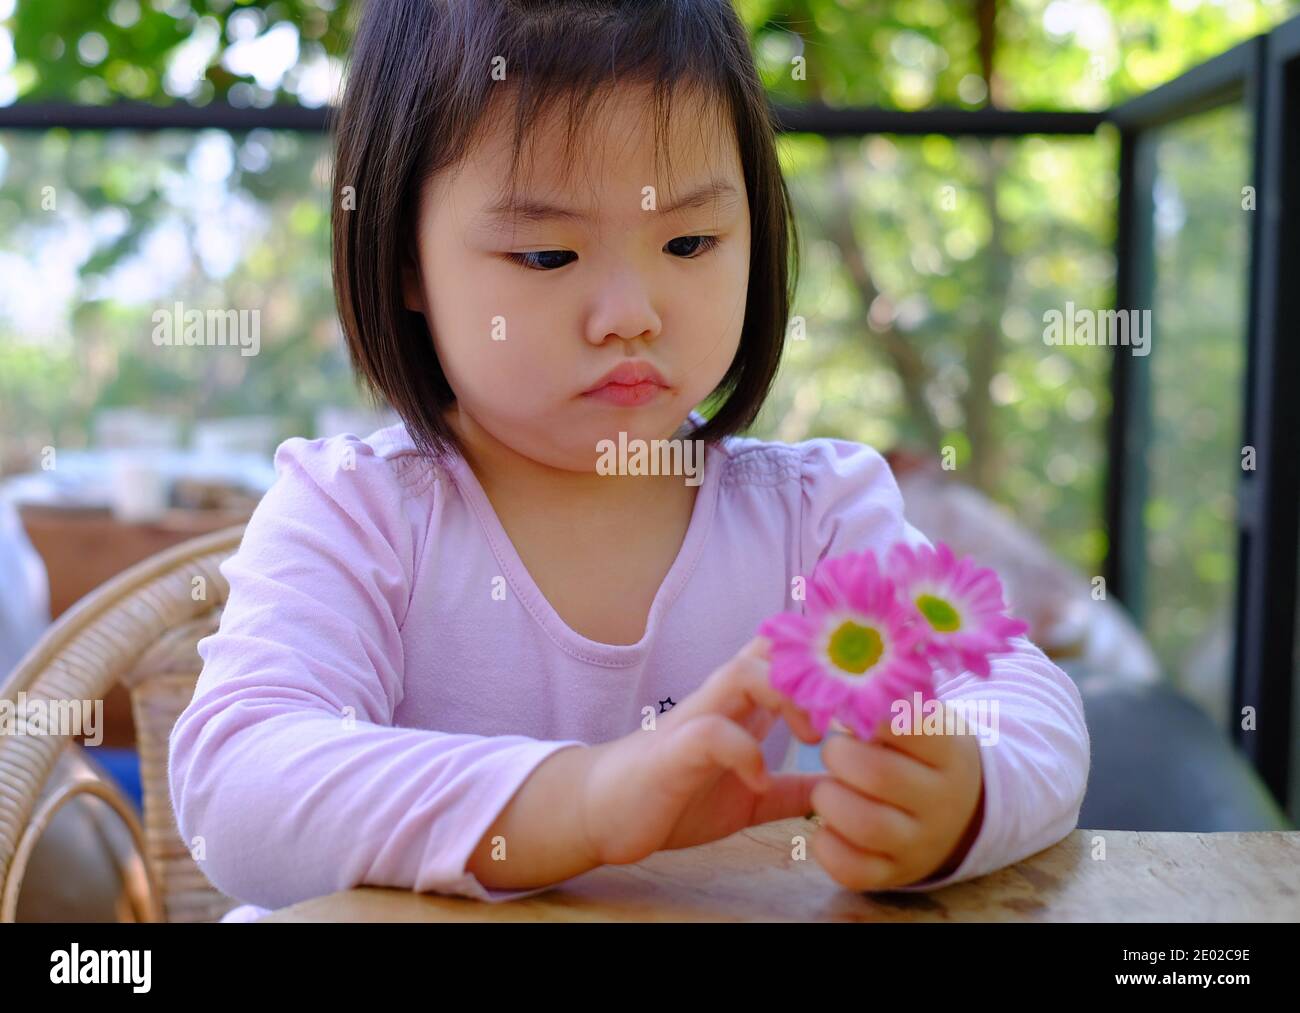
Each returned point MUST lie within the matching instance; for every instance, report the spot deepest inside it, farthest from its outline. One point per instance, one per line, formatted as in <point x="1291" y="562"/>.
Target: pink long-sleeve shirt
<point x="387" y="674"/>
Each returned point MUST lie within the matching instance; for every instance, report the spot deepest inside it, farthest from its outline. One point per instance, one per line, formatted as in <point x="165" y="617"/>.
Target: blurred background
<point x="930" y="256"/>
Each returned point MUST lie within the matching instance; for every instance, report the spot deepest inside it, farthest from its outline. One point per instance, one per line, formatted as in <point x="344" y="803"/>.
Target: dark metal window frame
<point x="1264" y="74"/>
<point x="1267" y="648"/>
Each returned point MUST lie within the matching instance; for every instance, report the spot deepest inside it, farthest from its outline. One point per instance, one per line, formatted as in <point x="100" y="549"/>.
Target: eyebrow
<point x="531" y="210"/>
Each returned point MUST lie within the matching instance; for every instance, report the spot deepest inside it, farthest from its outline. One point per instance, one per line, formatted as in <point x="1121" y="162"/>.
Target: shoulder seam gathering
<point x="414" y="472"/>
<point x="761" y="463"/>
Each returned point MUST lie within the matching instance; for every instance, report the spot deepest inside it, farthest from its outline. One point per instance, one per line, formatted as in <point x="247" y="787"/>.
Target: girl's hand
<point x="899" y="808"/>
<point x="699" y="775"/>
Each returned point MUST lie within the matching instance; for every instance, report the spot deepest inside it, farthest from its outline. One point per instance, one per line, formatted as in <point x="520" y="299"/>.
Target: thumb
<point x="704" y="744"/>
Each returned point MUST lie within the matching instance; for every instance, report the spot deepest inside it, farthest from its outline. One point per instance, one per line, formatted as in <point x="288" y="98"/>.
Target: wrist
<point x="589" y="838"/>
<point x="967" y="840"/>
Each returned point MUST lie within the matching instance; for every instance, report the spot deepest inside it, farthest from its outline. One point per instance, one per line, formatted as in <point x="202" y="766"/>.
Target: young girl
<point x="460" y="657"/>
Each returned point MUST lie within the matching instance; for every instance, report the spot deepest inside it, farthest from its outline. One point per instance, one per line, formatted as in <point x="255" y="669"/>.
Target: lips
<point x="629" y="374"/>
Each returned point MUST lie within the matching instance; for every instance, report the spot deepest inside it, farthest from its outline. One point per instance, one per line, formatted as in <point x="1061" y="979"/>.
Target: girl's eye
<point x="551" y="260"/>
<point x="545" y="259"/>
<point x="703" y="245"/>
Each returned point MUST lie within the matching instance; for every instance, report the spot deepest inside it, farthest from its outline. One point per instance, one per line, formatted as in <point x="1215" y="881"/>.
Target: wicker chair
<point x="140" y="628"/>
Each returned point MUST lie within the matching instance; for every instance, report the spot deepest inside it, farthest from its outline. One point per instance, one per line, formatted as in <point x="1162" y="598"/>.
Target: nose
<point x="623" y="309"/>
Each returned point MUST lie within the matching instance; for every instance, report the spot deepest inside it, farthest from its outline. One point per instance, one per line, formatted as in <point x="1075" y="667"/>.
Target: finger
<point x="800" y="722"/>
<point x="880" y="773"/>
<point x="759" y="723"/>
<point x="863" y="822"/>
<point x="742" y="685"/>
<point x="933" y="750"/>
<point x="790" y="795"/>
<point x="711" y="741"/>
<point x="849" y="866"/>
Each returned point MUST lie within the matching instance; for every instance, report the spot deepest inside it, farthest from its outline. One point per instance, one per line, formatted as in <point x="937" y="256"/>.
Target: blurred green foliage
<point x="96" y="51"/>
<point x="905" y="54"/>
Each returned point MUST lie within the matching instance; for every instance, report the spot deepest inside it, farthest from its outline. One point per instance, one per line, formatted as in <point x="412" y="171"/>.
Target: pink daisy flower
<point x="853" y="651"/>
<point x="957" y="605"/>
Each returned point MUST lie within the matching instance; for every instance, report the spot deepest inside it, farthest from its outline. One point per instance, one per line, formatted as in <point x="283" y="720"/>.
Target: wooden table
<point x="751" y="876"/>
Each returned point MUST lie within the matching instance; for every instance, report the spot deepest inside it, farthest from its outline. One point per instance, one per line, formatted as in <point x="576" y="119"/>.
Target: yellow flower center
<point x="855" y="648"/>
<point x="941" y="615"/>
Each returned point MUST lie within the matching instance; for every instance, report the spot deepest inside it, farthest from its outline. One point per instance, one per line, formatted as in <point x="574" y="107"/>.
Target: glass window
<point x="928" y="266"/>
<point x="1197" y="363"/>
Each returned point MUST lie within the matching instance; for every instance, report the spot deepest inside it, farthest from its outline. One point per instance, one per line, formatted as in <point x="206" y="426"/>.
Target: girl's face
<point x="530" y="309"/>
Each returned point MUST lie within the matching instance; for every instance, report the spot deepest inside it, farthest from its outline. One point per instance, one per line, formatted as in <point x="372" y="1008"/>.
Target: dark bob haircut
<point x="420" y="81"/>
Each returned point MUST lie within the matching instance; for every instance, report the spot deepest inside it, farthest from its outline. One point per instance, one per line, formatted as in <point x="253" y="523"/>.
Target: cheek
<point x="486" y="327"/>
<point x="722" y="288"/>
<point x="711" y="309"/>
<point x="495" y="340"/>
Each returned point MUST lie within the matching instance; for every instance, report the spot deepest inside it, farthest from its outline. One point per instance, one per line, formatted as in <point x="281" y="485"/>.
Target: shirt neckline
<point x="564" y="636"/>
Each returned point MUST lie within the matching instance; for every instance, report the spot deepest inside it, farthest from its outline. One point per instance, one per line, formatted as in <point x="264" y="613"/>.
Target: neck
<point x="504" y="472"/>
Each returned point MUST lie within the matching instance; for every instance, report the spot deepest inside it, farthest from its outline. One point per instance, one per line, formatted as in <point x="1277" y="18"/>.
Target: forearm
<point x="540" y="837"/>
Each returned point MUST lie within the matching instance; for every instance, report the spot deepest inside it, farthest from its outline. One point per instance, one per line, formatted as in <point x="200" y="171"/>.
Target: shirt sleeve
<point x="287" y="776"/>
<point x="1036" y="753"/>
